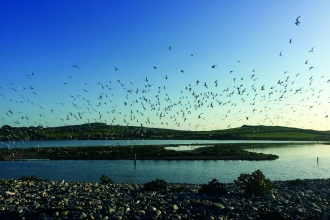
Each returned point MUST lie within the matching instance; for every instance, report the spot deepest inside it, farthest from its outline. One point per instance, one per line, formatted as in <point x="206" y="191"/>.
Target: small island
<point x="210" y="152"/>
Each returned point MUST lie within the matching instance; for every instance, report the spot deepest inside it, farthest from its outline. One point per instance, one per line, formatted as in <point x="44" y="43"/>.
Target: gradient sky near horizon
<point x="40" y="41"/>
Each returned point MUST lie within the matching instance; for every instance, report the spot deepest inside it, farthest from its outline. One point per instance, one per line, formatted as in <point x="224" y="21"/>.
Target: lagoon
<point x="296" y="161"/>
<point x="91" y="143"/>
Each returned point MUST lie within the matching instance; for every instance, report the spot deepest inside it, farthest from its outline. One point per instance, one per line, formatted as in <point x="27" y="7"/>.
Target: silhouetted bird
<point x="297" y="21"/>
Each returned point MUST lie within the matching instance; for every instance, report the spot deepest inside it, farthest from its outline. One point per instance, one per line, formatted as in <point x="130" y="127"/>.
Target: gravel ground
<point x="91" y="200"/>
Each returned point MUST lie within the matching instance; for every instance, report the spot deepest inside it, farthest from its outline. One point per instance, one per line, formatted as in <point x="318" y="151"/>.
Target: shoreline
<point x="159" y="152"/>
<point x="305" y="199"/>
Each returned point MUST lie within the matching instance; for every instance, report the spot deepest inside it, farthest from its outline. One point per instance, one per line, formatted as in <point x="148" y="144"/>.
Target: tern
<point x="297" y="22"/>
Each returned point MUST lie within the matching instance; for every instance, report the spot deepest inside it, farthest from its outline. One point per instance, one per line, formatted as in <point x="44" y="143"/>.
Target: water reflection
<point x="296" y="161"/>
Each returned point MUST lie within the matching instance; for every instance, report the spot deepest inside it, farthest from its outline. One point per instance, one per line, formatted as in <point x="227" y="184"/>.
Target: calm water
<point x="80" y="143"/>
<point x="296" y="161"/>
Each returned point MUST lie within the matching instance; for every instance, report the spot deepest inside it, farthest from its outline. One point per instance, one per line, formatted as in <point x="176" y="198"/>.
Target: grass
<point x="101" y="131"/>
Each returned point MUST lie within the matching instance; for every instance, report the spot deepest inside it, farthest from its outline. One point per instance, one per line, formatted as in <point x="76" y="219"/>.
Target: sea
<point x="303" y="160"/>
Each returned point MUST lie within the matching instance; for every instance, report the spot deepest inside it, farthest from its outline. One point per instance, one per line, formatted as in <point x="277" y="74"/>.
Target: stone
<point x="218" y="206"/>
<point x="64" y="213"/>
<point x="158" y="212"/>
<point x="56" y="214"/>
<point x="315" y="210"/>
<point x="324" y="216"/>
<point x="230" y="208"/>
<point x="19" y="209"/>
<point x="197" y="197"/>
<point x="9" y="193"/>
<point x="255" y="209"/>
<point x="269" y="197"/>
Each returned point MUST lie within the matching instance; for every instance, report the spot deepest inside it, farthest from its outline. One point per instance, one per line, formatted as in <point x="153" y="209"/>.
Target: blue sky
<point x="47" y="38"/>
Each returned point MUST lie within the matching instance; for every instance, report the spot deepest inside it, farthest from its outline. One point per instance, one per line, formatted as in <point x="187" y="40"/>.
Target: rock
<point x="9" y="193"/>
<point x="197" y="197"/>
<point x="269" y="197"/>
<point x="206" y="205"/>
<point x="175" y="198"/>
<point x="175" y="207"/>
<point x="315" y="210"/>
<point x="230" y="208"/>
<point x="19" y="209"/>
<point x="64" y="213"/>
<point x="254" y="209"/>
<point x="218" y="206"/>
<point x="324" y="216"/>
<point x="158" y="212"/>
<point x="82" y="216"/>
<point x="299" y="210"/>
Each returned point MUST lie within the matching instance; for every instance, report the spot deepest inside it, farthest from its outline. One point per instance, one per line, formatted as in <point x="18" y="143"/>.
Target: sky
<point x="149" y="63"/>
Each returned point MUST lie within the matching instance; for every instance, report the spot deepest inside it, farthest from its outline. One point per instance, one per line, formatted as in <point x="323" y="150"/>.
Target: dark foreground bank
<point x="303" y="199"/>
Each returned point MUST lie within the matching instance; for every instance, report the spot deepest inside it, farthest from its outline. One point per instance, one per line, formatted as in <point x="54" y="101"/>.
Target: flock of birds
<point x="199" y="105"/>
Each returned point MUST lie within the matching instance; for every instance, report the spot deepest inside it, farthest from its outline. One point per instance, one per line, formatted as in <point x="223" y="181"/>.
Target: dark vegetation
<point x="214" y="188"/>
<point x="216" y="152"/>
<point x="32" y="178"/>
<point x="155" y="185"/>
<point x="254" y="184"/>
<point x="297" y="182"/>
<point x="106" y="180"/>
<point x="101" y="131"/>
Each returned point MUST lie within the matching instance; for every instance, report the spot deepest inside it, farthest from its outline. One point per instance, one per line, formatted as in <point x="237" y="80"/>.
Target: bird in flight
<point x="155" y="67"/>
<point x="75" y="66"/>
<point x="182" y="71"/>
<point x="116" y="68"/>
<point x="290" y="41"/>
<point x="306" y="62"/>
<point x="281" y="53"/>
<point x="170" y="48"/>
<point x="312" y="49"/>
<point x="214" y="66"/>
<point x="297" y="21"/>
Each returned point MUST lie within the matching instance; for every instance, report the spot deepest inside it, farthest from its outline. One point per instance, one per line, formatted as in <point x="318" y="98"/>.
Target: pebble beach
<point x="92" y="200"/>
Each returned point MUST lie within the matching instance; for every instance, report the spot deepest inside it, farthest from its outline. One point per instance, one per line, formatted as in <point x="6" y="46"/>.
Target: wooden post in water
<point x="134" y="158"/>
<point x="317" y="159"/>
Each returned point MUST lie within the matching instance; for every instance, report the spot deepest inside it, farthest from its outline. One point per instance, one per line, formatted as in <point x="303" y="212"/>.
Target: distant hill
<point x="102" y="131"/>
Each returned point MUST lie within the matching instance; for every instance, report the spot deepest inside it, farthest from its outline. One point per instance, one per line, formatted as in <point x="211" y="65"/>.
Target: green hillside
<point x="102" y="131"/>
